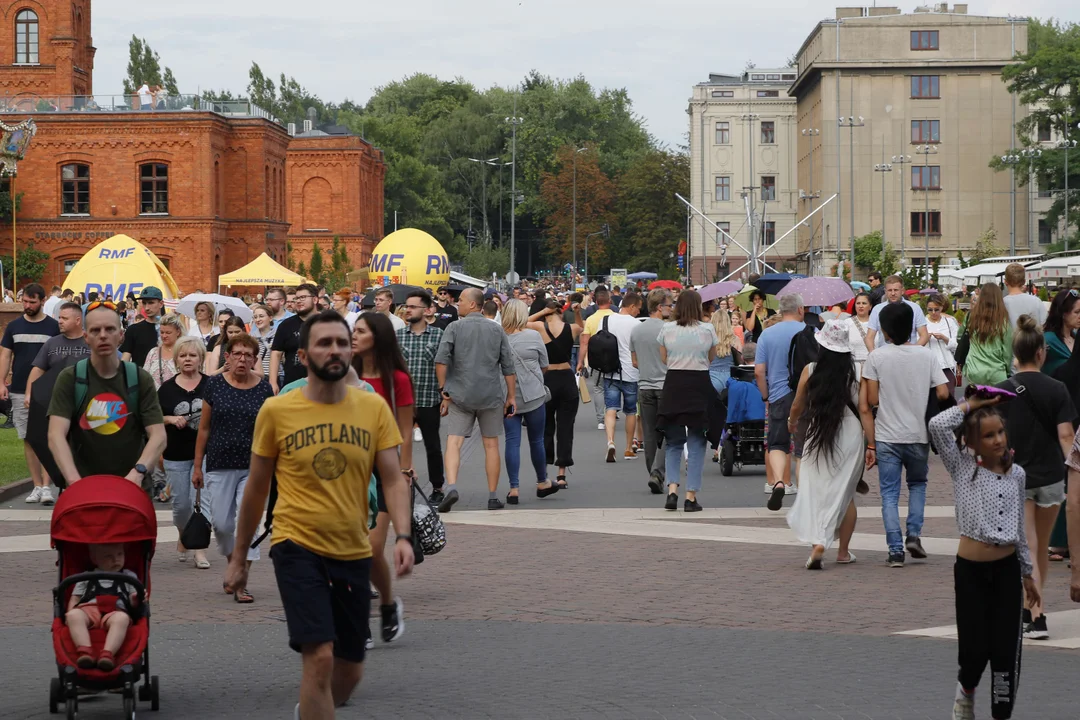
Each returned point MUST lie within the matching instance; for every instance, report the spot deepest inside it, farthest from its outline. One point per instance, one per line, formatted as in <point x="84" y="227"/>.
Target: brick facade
<point x="238" y="185"/>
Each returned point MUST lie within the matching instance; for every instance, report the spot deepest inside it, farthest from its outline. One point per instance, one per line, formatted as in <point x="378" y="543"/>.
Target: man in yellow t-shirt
<point x="323" y="441"/>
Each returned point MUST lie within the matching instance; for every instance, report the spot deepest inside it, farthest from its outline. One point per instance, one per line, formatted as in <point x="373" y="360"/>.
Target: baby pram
<point x="743" y="439"/>
<point x="103" y="509"/>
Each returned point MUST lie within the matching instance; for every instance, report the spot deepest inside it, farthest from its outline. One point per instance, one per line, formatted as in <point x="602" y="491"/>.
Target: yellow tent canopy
<point x="263" y="270"/>
<point x="118" y="266"/>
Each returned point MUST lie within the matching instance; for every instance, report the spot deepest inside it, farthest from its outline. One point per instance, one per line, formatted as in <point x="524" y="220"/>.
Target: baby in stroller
<point x="103" y="604"/>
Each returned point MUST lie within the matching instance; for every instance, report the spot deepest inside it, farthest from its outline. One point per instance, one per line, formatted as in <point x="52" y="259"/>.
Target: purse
<point x="196" y="535"/>
<point x="428" y="530"/>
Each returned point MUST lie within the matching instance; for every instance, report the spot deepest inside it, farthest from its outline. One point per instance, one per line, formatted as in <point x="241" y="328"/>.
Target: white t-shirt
<point x="351" y="319"/>
<point x="397" y="322"/>
<point x="145" y="96"/>
<point x="1025" y="304"/>
<point x="622" y="326"/>
<point x="52" y="307"/>
<point x="905" y="374"/>
<point x="944" y="350"/>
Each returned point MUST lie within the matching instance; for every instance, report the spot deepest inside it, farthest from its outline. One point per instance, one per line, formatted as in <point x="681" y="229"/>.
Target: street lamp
<point x="514" y="122"/>
<point x="1030" y="154"/>
<point x="1012" y="159"/>
<point x="926" y="151"/>
<point x="577" y="151"/>
<point x="850" y="124"/>
<point x="483" y="183"/>
<point x="883" y="167"/>
<point x="811" y="133"/>
<point x="902" y="160"/>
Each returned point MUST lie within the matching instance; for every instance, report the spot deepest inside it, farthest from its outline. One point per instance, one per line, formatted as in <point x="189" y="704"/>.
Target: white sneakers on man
<point x="47" y="496"/>
<point x="35" y="495"/>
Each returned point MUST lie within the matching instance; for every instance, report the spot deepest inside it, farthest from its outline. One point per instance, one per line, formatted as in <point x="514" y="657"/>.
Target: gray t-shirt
<point x="60" y="350"/>
<point x="905" y="374"/>
<point x="1025" y="304"/>
<point x="530" y="359"/>
<point x="643" y="343"/>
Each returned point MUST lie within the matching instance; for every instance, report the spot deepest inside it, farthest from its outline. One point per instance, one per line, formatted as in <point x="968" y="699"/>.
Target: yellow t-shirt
<point x="325" y="455"/>
<point x="592" y="325"/>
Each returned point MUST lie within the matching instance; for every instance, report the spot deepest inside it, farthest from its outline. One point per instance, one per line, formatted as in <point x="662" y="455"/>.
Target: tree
<point x="652" y="221"/>
<point x="595" y="198"/>
<point x="290" y="262"/>
<point x="868" y="254"/>
<point x="302" y="270"/>
<point x="340" y="266"/>
<point x="144" y="67"/>
<point x="986" y="246"/>
<point x="315" y="265"/>
<point x="32" y="264"/>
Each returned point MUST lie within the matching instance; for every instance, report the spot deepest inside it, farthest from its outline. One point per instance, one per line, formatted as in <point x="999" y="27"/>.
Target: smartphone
<point x="988" y="392"/>
<point x="510" y="411"/>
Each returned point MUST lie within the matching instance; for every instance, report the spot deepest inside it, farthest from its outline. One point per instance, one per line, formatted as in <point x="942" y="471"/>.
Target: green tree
<point x="595" y="200"/>
<point x="868" y="254"/>
<point x="315" y="265"/>
<point x="144" y="66"/>
<point x="986" y="246"/>
<point x="340" y="266"/>
<point x="302" y="270"/>
<point x="651" y="220"/>
<point x="290" y="261"/>
<point x="31" y="266"/>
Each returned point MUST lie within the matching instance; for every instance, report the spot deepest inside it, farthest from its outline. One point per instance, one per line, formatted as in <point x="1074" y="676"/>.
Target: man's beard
<point x="416" y="320"/>
<point x="328" y="372"/>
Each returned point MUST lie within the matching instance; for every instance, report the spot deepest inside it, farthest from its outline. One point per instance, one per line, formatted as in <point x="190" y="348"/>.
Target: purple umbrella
<point x="719" y="290"/>
<point x="924" y="291"/>
<point x="823" y="291"/>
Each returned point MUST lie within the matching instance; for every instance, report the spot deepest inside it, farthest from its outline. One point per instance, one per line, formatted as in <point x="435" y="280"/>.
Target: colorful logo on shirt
<point x="329" y="463"/>
<point x="106" y="414"/>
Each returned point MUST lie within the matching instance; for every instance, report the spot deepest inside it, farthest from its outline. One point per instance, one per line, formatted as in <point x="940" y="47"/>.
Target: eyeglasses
<point x="304" y="297"/>
<point x="242" y="355"/>
<point x="101" y="304"/>
<point x="415" y="307"/>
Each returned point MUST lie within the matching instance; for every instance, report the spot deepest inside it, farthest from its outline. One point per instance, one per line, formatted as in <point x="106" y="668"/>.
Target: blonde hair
<point x="725" y="336"/>
<point x="773" y="320"/>
<point x="172" y="320"/>
<point x="190" y="342"/>
<point x="515" y="314"/>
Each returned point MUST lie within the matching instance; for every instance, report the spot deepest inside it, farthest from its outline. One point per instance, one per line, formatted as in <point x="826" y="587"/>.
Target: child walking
<point x="992" y="561"/>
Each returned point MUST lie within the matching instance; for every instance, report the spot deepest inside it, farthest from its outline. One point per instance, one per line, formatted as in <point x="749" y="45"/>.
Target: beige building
<point x="742" y="160"/>
<point x="930" y="79"/>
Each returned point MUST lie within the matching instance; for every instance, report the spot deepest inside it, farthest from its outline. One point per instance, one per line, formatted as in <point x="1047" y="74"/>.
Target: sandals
<point x="105" y="661"/>
<point x="851" y="559"/>
<point x="243" y="597"/>
<point x="202" y="564"/>
<point x="813" y="563"/>
<point x="85" y="658"/>
<point x="560" y="480"/>
<point x="1059" y="555"/>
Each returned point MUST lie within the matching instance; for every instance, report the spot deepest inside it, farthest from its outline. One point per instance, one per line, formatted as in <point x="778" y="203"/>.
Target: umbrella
<point x="400" y="293"/>
<point x="719" y="289"/>
<point x="859" y="285"/>
<point x="773" y="283"/>
<point x="37" y="422"/>
<point x="928" y="291"/>
<point x="823" y="291"/>
<point x="742" y="300"/>
<point x="187" y="304"/>
<point x="909" y="293"/>
<point x="666" y="284"/>
<point x="641" y="276"/>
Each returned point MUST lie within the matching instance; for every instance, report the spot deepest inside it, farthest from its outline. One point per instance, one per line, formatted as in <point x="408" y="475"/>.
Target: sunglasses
<point x="101" y="304"/>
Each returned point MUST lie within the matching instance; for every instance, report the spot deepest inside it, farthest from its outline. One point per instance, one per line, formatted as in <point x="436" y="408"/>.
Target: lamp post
<point x="1012" y="159"/>
<point x="850" y="124"/>
<point x="514" y="122"/>
<point x="606" y="232"/>
<point x="926" y="151"/>
<point x="902" y="160"/>
<point x="883" y="167"/>
<point x="15" y="140"/>
<point x="1030" y="154"/>
<point x="577" y="151"/>
<point x="811" y="133"/>
<point x="483" y="191"/>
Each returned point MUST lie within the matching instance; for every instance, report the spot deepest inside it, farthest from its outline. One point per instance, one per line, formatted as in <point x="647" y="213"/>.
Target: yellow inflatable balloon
<point x="410" y="257"/>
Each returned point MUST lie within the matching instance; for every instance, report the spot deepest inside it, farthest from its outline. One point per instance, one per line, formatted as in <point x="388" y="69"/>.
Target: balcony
<point x="29" y="104"/>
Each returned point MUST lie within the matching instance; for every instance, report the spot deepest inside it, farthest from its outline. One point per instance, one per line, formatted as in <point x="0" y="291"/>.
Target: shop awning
<point x="263" y="270"/>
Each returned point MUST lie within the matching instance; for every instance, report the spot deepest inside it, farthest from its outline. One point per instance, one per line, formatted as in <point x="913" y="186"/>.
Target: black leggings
<point x="561" y="412"/>
<point x="989" y="625"/>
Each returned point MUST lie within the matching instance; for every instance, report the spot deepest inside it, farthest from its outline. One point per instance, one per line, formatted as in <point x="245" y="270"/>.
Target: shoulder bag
<point x="196" y="534"/>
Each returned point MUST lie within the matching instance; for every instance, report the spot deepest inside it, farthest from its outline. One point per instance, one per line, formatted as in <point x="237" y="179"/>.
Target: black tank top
<point x="559" y="348"/>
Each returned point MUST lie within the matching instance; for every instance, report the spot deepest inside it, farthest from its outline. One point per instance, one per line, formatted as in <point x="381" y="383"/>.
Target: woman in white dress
<point x="944" y="332"/>
<point x="857" y="325"/>
<point x="832" y="462"/>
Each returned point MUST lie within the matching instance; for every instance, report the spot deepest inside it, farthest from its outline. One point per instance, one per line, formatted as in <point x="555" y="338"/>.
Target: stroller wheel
<point x="55" y="688"/>
<point x="72" y="708"/>
<point x="129" y="708"/>
<point x="154" y="693"/>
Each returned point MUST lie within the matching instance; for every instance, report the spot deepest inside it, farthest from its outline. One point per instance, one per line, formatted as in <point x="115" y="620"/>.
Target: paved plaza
<point x="593" y="603"/>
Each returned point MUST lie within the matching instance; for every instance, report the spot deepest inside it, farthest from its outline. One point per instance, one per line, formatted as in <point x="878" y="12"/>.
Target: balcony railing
<point x="43" y="104"/>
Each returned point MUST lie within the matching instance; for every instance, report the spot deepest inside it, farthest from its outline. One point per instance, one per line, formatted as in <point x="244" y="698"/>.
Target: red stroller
<point x="108" y="510"/>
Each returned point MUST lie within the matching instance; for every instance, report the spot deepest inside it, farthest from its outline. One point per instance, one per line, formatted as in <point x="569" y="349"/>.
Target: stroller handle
<point x="58" y="591"/>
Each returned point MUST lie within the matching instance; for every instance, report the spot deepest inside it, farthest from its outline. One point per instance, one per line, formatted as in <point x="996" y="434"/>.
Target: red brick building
<point x="207" y="186"/>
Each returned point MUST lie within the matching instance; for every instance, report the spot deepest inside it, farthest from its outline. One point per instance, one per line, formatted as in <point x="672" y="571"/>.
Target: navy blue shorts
<point x="325" y="600"/>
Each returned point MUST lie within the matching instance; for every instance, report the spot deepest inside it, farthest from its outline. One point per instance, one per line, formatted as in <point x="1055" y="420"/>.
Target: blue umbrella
<point x="772" y="283"/>
<point x="859" y="285"/>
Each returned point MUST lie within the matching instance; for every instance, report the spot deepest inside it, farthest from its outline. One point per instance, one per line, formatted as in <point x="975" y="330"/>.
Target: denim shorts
<point x="615" y="389"/>
<point x="1048" y="495"/>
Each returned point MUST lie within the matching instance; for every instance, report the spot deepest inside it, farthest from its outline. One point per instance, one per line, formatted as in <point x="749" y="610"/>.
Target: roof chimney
<point x="308" y="126"/>
<point x="292" y="129"/>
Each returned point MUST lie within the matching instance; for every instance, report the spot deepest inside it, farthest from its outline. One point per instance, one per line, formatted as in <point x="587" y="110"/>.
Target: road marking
<point x="1064" y="628"/>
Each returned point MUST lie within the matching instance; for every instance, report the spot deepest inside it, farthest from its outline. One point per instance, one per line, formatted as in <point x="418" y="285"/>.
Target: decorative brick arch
<point x="317" y="204"/>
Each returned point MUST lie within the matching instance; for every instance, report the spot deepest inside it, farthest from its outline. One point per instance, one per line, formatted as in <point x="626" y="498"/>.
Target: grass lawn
<point x="12" y="460"/>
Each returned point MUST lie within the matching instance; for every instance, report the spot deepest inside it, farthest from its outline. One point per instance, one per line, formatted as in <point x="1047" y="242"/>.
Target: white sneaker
<point x="600" y="426"/>
<point x="768" y="487"/>
<point x="34" y="496"/>
<point x="47" y="496"/>
<point x="963" y="708"/>
<point x="417" y="436"/>
<point x="791" y="490"/>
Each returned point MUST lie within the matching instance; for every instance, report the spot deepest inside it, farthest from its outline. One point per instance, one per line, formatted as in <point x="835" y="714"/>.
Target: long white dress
<point x="827" y="483"/>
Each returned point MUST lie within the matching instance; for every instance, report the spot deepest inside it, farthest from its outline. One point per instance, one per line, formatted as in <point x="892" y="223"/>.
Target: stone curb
<point x="15" y="489"/>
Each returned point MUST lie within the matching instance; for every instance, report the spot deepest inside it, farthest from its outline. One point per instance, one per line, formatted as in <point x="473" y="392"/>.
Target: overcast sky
<point x="338" y="49"/>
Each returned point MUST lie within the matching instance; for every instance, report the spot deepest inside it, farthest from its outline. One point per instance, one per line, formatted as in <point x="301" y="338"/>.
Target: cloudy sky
<point x="657" y="49"/>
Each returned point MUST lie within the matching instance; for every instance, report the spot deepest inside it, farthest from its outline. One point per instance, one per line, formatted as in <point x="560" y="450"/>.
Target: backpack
<point x="802" y="351"/>
<point x="604" y="351"/>
<point x="82" y="385"/>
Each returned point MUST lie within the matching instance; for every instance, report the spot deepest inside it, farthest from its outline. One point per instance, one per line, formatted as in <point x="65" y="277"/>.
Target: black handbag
<point x="196" y="535"/>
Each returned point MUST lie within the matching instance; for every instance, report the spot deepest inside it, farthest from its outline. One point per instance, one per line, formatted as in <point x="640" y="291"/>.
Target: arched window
<point x="154" y="188"/>
<point x="75" y="189"/>
<point x="26" y="37"/>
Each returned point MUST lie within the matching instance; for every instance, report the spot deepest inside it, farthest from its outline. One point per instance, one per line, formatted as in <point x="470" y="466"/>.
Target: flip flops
<point x="851" y="559"/>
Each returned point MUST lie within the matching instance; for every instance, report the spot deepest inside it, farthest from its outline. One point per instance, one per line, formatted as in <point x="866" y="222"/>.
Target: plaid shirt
<point x="419" y="351"/>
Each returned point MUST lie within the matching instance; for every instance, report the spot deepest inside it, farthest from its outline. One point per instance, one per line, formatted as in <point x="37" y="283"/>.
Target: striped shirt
<point x="24" y="339"/>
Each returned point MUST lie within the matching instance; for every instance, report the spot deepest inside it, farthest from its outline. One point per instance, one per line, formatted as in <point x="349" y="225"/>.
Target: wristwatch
<point x="406" y="538"/>
<point x="141" y="469"/>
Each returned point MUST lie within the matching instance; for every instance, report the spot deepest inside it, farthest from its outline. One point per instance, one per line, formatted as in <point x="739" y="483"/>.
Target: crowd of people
<point x="298" y="407"/>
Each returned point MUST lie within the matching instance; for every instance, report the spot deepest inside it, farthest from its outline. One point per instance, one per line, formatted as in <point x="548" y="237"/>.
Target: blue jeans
<point x="615" y="390"/>
<point x="534" y="421"/>
<point x="892" y="458"/>
<point x="178" y="475"/>
<point x="674" y="438"/>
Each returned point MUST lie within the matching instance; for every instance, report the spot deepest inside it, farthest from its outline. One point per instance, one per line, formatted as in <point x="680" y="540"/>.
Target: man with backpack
<point x="773" y="374"/>
<point x="104" y="415"/>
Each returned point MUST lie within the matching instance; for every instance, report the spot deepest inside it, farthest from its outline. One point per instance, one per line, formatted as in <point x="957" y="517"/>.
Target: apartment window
<point x="723" y="188"/>
<point x="768" y="93"/>
<point x="925" y="131"/>
<point x="768" y="188"/>
<point x="925" y="86"/>
<point x="723" y="133"/>
<point x="918" y="222"/>
<point x="926" y="177"/>
<point x="789" y="76"/>
<point x="154" y="188"/>
<point x="770" y="232"/>
<point x="1044" y="189"/>
<point x="721" y="270"/>
<point x="1044" y="233"/>
<point x="1044" y="131"/>
<point x="757" y="77"/>
<point x="75" y="190"/>
<point x="772" y="77"/>
<point x="722" y="239"/>
<point x="723" y="93"/>
<point x="26" y="37"/>
<point x="768" y="132"/>
<point x="924" y="39"/>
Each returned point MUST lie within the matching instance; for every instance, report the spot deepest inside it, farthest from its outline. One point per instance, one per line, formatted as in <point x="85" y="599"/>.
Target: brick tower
<point x="45" y="48"/>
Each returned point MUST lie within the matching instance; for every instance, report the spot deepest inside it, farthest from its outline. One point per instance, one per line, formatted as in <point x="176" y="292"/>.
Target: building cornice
<point x="864" y="66"/>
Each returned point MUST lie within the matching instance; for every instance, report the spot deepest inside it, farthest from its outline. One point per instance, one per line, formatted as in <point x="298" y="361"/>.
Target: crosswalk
<point x="1064" y="631"/>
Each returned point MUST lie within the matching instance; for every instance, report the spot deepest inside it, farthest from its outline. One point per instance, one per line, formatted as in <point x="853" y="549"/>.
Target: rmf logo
<point x="436" y="264"/>
<point x="108" y="254"/>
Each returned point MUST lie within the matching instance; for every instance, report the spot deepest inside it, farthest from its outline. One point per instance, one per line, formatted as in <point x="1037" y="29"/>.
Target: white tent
<point x="992" y="270"/>
<point x="463" y="279"/>
<point x="1054" y="269"/>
